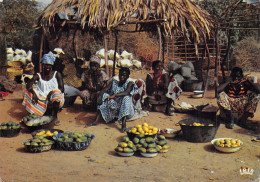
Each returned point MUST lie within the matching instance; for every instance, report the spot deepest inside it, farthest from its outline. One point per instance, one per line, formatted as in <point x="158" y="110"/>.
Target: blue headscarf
<point x="48" y="58"/>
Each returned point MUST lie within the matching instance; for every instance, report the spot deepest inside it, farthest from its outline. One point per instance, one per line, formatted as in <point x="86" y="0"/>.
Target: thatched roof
<point x="181" y="15"/>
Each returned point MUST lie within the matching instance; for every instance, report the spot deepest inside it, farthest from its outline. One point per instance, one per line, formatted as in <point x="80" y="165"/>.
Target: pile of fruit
<point x="142" y="142"/>
<point x="30" y="117"/>
<point x="10" y="125"/>
<point x="38" y="141"/>
<point x="74" y="137"/>
<point x="228" y="143"/>
<point x="143" y="129"/>
<point x="198" y="124"/>
<point x="125" y="145"/>
<point x="46" y="133"/>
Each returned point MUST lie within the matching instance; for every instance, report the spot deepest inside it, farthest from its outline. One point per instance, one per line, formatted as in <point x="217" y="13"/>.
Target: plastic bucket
<point x="198" y="134"/>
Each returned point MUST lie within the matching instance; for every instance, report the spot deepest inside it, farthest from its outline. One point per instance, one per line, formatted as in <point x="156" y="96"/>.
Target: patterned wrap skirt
<point x="41" y="106"/>
<point x="247" y="103"/>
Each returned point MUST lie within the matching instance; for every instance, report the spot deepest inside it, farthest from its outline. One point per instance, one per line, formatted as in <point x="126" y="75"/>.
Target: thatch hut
<point x="166" y="17"/>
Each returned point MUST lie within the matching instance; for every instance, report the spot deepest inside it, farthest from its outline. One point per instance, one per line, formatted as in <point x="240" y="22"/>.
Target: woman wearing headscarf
<point x="45" y="89"/>
<point x="238" y="98"/>
<point x="115" y="101"/>
<point x="93" y="81"/>
<point x="161" y="89"/>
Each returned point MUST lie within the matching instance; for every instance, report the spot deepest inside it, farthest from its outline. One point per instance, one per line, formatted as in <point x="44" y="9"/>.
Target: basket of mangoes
<point x="142" y="130"/>
<point x="9" y="129"/>
<point x="73" y="141"/>
<point x="35" y="122"/>
<point x="38" y="144"/>
<point x="125" y="147"/>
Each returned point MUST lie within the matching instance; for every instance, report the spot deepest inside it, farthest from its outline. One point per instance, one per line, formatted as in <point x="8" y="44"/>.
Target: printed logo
<point x="246" y="171"/>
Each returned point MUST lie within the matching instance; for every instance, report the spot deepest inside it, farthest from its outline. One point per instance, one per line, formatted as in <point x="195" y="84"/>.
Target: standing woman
<point x="115" y="101"/>
<point x="161" y="89"/>
<point x="238" y="98"/>
<point x="45" y="89"/>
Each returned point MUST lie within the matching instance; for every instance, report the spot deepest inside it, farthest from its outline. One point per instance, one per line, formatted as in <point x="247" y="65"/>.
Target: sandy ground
<point x="185" y="161"/>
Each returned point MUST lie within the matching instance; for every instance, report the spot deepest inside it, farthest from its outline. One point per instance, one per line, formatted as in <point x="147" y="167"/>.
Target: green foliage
<point x="17" y="21"/>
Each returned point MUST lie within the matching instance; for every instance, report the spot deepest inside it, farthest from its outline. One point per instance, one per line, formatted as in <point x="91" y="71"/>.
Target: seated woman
<point x="93" y="81"/>
<point x="161" y="89"/>
<point x="238" y="98"/>
<point x="115" y="101"/>
<point x="48" y="91"/>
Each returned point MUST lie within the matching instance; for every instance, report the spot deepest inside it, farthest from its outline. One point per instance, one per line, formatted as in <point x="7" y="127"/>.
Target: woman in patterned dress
<point x="93" y="81"/>
<point x="115" y="101"/>
<point x="238" y="98"/>
<point x="48" y="91"/>
<point x="161" y="89"/>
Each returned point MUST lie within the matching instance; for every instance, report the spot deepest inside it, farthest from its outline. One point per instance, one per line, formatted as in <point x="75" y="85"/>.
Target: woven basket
<point x="12" y="72"/>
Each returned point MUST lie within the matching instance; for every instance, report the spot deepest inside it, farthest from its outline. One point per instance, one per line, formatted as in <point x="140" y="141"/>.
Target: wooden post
<point x="216" y="62"/>
<point x="114" y="64"/>
<point x="106" y="57"/>
<point x="41" y="47"/>
<point x="160" y="41"/>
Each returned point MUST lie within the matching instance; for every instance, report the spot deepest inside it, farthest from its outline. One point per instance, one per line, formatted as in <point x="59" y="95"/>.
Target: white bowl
<point x="125" y="154"/>
<point x="226" y="149"/>
<point x="169" y="132"/>
<point x="197" y="95"/>
<point x="149" y="154"/>
<point x="197" y="92"/>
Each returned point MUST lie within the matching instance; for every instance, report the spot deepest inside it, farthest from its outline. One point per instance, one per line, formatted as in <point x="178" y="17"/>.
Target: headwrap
<point x="48" y="58"/>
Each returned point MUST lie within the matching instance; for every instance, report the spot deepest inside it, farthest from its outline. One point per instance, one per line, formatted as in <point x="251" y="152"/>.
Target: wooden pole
<point x="106" y="57"/>
<point x="114" y="64"/>
<point x="208" y="54"/>
<point x="216" y="62"/>
<point x="160" y="41"/>
<point x="41" y="47"/>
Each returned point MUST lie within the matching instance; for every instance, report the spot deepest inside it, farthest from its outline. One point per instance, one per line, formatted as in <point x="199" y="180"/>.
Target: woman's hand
<point x="111" y="97"/>
<point x="34" y="99"/>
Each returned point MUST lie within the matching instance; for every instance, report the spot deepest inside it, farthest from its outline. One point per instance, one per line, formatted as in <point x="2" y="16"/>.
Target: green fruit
<point x="125" y="139"/>
<point x="145" y="145"/>
<point x="119" y="149"/>
<point x="126" y="149"/>
<point x="88" y="135"/>
<point x="143" y="150"/>
<point x="84" y="139"/>
<point x="37" y="140"/>
<point x="4" y="123"/>
<point x="14" y="127"/>
<point x="134" y="148"/>
<point x="142" y="141"/>
<point x="27" y="143"/>
<point x="130" y="144"/>
<point x="151" y="150"/>
<point x="152" y="145"/>
<point x="139" y="145"/>
<point x="34" y="144"/>
<point x="136" y="140"/>
<point x="141" y="135"/>
<point x="74" y="136"/>
<point x="162" y="142"/>
<point x="122" y="144"/>
<point x="78" y="140"/>
<point x="10" y="123"/>
<point x="157" y="148"/>
<point x="68" y="140"/>
<point x="161" y="137"/>
<point x="60" y="139"/>
<point x="149" y="140"/>
<point x="9" y="127"/>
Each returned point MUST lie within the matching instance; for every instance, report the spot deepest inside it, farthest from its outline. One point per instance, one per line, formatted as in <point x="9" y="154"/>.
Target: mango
<point x="130" y="144"/>
<point x="161" y="137"/>
<point x="125" y="139"/>
<point x="162" y="142"/>
<point x="152" y="145"/>
<point x="151" y="150"/>
<point x="142" y="141"/>
<point x="143" y="150"/>
<point x="122" y="144"/>
<point x="136" y="140"/>
<point x="149" y="140"/>
<point x="166" y="146"/>
<point x="126" y="149"/>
